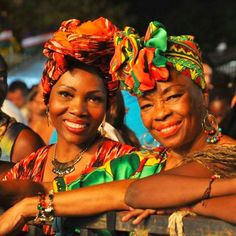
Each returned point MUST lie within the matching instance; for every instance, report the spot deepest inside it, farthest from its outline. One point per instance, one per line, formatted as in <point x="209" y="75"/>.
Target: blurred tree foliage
<point x="29" y="17"/>
<point x="210" y="21"/>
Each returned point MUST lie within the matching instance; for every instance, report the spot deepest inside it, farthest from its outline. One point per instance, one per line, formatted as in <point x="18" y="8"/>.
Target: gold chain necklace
<point x="65" y="168"/>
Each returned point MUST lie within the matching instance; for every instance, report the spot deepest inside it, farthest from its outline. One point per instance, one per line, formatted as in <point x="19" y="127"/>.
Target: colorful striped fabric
<point x="139" y="62"/>
<point x="90" y="42"/>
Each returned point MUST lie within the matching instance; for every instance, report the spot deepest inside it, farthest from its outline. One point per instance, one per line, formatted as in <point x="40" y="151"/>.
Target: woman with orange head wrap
<point x="77" y="89"/>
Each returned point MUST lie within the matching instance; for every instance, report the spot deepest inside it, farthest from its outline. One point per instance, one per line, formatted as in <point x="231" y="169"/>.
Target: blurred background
<point x="26" y="24"/>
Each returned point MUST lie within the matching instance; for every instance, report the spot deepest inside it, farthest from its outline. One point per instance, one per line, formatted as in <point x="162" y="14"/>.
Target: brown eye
<point x="146" y="107"/>
<point x="64" y="94"/>
<point x="173" y="97"/>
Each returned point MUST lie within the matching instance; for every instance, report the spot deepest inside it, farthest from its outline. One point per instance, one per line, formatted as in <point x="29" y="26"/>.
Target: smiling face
<point x="77" y="105"/>
<point x="173" y="111"/>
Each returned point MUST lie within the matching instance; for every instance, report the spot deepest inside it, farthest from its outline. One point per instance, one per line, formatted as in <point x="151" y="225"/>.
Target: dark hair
<point x="3" y="67"/>
<point x="18" y="85"/>
<point x="3" y="83"/>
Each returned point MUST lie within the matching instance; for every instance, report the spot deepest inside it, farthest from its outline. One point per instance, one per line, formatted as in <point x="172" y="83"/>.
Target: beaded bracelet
<point x="45" y="211"/>
<point x="207" y="192"/>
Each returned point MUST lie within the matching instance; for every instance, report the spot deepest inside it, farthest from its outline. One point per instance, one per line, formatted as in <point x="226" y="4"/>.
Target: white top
<point x="12" y="110"/>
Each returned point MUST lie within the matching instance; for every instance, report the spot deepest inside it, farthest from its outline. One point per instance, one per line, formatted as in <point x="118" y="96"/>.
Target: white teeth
<point x="74" y="125"/>
<point x="168" y="129"/>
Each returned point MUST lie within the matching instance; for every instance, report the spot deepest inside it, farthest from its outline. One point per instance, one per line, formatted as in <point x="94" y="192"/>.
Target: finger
<point x="142" y="216"/>
<point x="131" y="214"/>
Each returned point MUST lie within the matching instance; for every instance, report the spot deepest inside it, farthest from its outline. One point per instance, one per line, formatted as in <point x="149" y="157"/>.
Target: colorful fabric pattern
<point x="138" y="62"/>
<point x="32" y="167"/>
<point x="90" y="42"/>
<point x="135" y="165"/>
<point x="185" y="56"/>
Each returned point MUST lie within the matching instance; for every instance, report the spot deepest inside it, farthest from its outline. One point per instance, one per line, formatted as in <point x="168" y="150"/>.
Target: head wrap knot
<point x="138" y="62"/>
<point x="90" y="42"/>
<point x="148" y="57"/>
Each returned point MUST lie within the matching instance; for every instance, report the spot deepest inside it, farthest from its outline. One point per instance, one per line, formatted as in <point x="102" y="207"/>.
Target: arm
<point x="15" y="190"/>
<point x="179" y="187"/>
<point x="26" y="143"/>
<point x="95" y="199"/>
<point x="221" y="207"/>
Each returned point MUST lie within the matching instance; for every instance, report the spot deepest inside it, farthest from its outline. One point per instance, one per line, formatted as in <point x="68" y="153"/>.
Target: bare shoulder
<point x="226" y="140"/>
<point x="27" y="142"/>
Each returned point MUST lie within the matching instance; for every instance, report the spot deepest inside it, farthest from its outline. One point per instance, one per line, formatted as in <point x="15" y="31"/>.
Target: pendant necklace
<point x="65" y="168"/>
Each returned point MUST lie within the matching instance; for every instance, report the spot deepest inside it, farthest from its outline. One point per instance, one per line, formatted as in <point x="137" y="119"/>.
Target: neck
<point x="177" y="155"/>
<point x="67" y="151"/>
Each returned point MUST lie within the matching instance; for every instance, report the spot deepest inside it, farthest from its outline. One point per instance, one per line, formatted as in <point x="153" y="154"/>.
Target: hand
<point x="171" y="210"/>
<point x="12" y="219"/>
<point x="138" y="214"/>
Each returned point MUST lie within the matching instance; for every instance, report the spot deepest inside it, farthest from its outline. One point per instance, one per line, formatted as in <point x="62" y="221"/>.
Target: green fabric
<point x="134" y="165"/>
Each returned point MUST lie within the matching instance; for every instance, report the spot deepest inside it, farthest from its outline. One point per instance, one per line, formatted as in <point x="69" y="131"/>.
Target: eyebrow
<point x="166" y="90"/>
<point x="70" y="87"/>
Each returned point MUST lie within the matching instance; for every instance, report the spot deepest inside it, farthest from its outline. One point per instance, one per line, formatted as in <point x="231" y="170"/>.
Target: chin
<point x="172" y="143"/>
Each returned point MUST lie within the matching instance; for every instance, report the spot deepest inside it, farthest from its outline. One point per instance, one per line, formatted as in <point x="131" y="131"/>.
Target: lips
<point x="76" y="127"/>
<point x="169" y="129"/>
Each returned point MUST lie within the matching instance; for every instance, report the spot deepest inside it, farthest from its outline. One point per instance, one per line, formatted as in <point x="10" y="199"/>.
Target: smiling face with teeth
<point x="77" y="105"/>
<point x="173" y="111"/>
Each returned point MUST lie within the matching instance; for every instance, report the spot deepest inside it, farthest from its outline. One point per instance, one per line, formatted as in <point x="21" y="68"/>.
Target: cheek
<point x="98" y="113"/>
<point x="147" y="119"/>
<point x="56" y="110"/>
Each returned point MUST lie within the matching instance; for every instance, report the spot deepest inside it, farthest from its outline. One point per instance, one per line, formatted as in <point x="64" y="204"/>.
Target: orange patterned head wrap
<point x="140" y="61"/>
<point x="90" y="42"/>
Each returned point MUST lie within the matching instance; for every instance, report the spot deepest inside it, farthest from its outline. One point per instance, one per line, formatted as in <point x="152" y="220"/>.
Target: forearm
<point x="164" y="191"/>
<point x="85" y="201"/>
<point x="14" y="190"/>
<point x="221" y="207"/>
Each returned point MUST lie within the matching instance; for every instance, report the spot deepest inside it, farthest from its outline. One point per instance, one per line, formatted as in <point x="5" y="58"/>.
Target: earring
<point x="211" y="128"/>
<point x="47" y="114"/>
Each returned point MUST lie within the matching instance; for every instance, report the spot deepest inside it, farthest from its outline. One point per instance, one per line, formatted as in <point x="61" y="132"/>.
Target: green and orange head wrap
<point x="185" y="56"/>
<point x="90" y="42"/>
<point x="140" y="61"/>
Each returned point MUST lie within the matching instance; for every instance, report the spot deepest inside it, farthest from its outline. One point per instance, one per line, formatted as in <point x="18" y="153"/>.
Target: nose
<point x="161" y="111"/>
<point x="78" y="107"/>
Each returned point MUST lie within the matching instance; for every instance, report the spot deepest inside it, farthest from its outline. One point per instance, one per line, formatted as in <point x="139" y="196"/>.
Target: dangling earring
<point x="101" y="128"/>
<point x="47" y="114"/>
<point x="211" y="128"/>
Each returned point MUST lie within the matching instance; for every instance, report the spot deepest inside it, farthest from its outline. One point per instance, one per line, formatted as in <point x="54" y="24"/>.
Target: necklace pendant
<point x="62" y="171"/>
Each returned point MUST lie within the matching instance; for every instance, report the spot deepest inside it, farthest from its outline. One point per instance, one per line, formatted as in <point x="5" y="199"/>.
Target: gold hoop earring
<point x="211" y="128"/>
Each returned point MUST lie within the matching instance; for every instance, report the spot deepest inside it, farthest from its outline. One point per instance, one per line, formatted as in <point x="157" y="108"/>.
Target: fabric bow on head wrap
<point x="139" y="62"/>
<point x="90" y="42"/>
